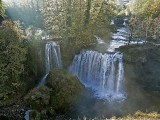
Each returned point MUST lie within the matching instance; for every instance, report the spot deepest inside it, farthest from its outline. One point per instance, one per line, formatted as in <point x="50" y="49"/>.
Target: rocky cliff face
<point x="142" y="65"/>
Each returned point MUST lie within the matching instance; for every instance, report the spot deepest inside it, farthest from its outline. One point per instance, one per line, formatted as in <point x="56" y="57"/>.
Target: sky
<point x="7" y="1"/>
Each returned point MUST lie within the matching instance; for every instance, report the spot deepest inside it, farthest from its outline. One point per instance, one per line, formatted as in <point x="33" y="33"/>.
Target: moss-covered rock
<point x="38" y="98"/>
<point x="65" y="90"/>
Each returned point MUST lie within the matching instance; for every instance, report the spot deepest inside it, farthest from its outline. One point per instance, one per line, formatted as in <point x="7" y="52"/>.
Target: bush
<point x="38" y="98"/>
<point x="12" y="61"/>
<point x="66" y="90"/>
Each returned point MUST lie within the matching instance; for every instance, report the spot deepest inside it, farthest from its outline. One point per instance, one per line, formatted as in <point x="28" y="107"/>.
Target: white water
<point x="52" y="59"/>
<point x="112" y="22"/>
<point x="26" y="117"/>
<point x="103" y="73"/>
<point x="124" y="23"/>
<point x="121" y="39"/>
<point x="99" y="40"/>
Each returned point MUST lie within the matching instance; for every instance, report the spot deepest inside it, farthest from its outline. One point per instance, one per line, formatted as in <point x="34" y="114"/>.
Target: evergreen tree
<point x="145" y="19"/>
<point x="12" y="54"/>
<point x="2" y="11"/>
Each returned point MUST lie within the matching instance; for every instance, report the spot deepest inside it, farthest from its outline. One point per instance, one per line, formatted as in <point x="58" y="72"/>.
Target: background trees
<point x="78" y="20"/>
<point x="146" y="17"/>
<point x="1" y="9"/>
<point x="13" y="55"/>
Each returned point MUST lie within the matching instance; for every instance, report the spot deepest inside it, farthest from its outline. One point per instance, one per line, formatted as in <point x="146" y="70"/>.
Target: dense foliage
<point x="65" y="90"/>
<point x="13" y="57"/>
<point x="78" y="21"/>
<point x="13" y="53"/>
<point x="145" y="19"/>
<point x="2" y="11"/>
<point x="35" y="56"/>
<point x="75" y="22"/>
<point x="58" y="96"/>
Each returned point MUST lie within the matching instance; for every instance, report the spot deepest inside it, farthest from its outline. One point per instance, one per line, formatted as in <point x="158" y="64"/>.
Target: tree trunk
<point x="69" y="20"/>
<point x="87" y="13"/>
<point x="130" y="35"/>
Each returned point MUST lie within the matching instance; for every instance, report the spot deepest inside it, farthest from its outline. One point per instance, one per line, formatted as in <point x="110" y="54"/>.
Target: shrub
<point x="66" y="90"/>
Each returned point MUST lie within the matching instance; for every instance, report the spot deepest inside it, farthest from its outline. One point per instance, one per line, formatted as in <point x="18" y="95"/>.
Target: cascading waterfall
<point x="120" y="75"/>
<point x="52" y="59"/>
<point x="104" y="73"/>
<point x="99" y="40"/>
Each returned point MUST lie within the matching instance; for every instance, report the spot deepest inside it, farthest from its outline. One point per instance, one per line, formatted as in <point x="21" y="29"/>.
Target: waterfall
<point x="120" y="75"/>
<point x="124" y="23"/>
<point x="103" y="73"/>
<point x="99" y="40"/>
<point x="112" y="22"/>
<point x="26" y="117"/>
<point x="52" y="59"/>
